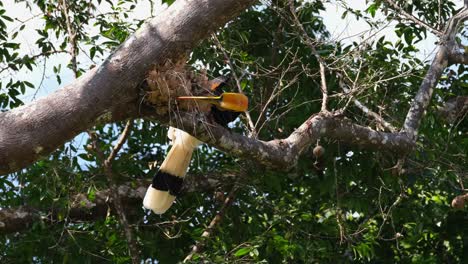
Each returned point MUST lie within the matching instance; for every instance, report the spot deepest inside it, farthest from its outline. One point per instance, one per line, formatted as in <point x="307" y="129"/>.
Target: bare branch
<point x="310" y="43"/>
<point x="83" y="208"/>
<point x="424" y="95"/>
<point x="253" y="132"/>
<point x="413" y="18"/>
<point x="365" y="109"/>
<point x="71" y="37"/>
<point x="457" y="53"/>
<point x="120" y="142"/>
<point x="214" y="222"/>
<point x="283" y="154"/>
<point x="439" y="63"/>
<point x="452" y="26"/>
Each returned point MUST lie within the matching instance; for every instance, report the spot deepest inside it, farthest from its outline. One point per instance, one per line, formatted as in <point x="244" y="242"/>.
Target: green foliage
<point x="359" y="210"/>
<point x="10" y="59"/>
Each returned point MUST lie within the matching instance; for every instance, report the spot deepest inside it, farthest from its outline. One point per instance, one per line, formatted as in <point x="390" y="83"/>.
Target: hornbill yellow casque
<point x="167" y="182"/>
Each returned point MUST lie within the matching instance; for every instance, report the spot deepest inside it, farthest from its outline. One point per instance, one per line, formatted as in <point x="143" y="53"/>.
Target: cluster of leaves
<point x="357" y="211"/>
<point x="11" y="60"/>
<point x="61" y="22"/>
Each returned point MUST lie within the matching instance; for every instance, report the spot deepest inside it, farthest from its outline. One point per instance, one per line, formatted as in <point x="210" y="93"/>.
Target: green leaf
<point x="92" y="52"/>
<point x="371" y="9"/>
<point x="168" y="2"/>
<point x="243" y="251"/>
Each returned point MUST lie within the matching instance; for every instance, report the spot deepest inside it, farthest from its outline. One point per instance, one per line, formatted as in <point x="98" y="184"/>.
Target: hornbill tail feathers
<point x="167" y="182"/>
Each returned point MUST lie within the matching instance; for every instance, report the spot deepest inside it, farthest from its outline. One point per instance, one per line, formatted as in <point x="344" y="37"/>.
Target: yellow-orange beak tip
<point x="237" y="102"/>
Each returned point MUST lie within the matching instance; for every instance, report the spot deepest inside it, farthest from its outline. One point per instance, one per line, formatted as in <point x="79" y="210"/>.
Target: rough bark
<point x="82" y="208"/>
<point x="108" y="92"/>
<point x="454" y="108"/>
<point x="283" y="154"/>
<point x="447" y="53"/>
<point x="424" y="95"/>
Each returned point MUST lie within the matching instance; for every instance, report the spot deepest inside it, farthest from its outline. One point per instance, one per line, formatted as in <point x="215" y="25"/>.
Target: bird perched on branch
<point x="167" y="182"/>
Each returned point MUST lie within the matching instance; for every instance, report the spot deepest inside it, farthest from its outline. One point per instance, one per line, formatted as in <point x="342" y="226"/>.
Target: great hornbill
<point x="167" y="182"/>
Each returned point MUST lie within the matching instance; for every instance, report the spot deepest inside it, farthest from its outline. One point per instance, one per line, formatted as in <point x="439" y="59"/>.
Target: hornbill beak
<point x="236" y="102"/>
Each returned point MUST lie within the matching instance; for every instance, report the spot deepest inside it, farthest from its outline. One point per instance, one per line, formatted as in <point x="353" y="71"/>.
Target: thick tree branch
<point x="458" y="56"/>
<point x="424" y="95"/>
<point x="83" y="208"/>
<point x="454" y="108"/>
<point x="457" y="52"/>
<point x="283" y="153"/>
<point x="439" y="63"/>
<point x="108" y="92"/>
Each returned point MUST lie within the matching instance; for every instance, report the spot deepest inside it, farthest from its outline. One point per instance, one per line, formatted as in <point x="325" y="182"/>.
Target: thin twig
<point x="71" y="38"/>
<point x="386" y="215"/>
<point x="413" y="18"/>
<point x="239" y="87"/>
<point x="214" y="222"/>
<point x="118" y="146"/>
<point x="364" y="108"/>
<point x="338" y="214"/>
<point x="114" y="193"/>
<point x="310" y="43"/>
<point x="277" y="91"/>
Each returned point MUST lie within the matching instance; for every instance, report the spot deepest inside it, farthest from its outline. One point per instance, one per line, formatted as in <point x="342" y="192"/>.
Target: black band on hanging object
<point x="164" y="181"/>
